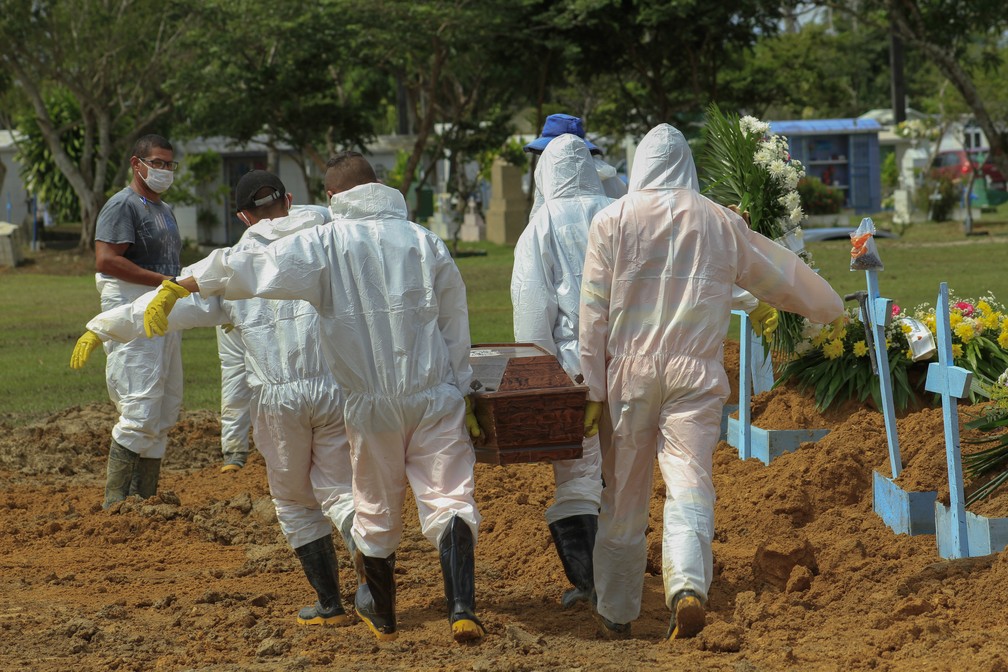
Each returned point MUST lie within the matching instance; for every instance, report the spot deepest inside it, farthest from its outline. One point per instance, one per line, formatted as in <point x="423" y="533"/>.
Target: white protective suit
<point x="655" y="302"/>
<point x="395" y="332"/>
<point x="144" y="378"/>
<point x="546" y="290"/>
<point x="236" y="396"/>
<point x="296" y="405"/>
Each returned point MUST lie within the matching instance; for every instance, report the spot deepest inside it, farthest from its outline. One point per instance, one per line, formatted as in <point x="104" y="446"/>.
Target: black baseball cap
<point x="250" y="184"/>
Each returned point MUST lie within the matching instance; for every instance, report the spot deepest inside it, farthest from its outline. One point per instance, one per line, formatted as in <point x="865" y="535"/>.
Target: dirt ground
<point x="199" y="577"/>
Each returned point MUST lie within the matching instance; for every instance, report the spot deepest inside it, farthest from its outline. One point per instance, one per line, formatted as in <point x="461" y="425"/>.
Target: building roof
<point x="824" y="126"/>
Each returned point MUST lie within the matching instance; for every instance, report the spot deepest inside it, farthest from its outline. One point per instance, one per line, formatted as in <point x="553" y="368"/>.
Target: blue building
<point x="842" y="153"/>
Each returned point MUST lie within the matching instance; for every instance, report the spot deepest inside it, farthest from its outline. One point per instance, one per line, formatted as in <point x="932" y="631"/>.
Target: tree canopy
<point x="458" y="76"/>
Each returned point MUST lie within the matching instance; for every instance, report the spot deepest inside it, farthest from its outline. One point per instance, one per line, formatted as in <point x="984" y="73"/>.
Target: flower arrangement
<point x="748" y="166"/>
<point x="840" y="369"/>
<point x="993" y="461"/>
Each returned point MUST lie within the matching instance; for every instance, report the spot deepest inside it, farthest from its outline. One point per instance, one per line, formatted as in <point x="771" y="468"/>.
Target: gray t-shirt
<point x="149" y="228"/>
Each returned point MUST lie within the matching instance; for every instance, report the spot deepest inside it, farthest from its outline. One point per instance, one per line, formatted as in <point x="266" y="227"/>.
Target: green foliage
<point x="512" y="151"/>
<point x="939" y="196"/>
<point x="818" y="198"/>
<point x="890" y="172"/>
<point x="42" y="178"/>
<point x="193" y="180"/>
<point x="655" y="78"/>
<point x="396" y="176"/>
<point x="989" y="465"/>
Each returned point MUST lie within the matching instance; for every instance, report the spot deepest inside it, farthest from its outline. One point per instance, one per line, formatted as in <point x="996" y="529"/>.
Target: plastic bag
<point x="864" y="254"/>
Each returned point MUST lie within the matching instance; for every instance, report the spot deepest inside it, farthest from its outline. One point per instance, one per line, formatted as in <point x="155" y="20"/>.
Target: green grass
<point x="41" y="316"/>
<point x="918" y="261"/>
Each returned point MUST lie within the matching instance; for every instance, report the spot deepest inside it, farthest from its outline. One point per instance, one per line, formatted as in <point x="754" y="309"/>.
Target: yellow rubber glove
<point x="85" y="345"/>
<point x="593" y="413"/>
<point x="764" y="318"/>
<point x="156" y="315"/>
<point x="837" y="328"/>
<point x="470" y="419"/>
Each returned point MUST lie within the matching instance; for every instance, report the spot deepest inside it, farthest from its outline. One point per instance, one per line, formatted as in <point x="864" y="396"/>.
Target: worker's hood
<point x="566" y="170"/>
<point x="369" y="201"/>
<point x="267" y="230"/>
<point x="663" y="161"/>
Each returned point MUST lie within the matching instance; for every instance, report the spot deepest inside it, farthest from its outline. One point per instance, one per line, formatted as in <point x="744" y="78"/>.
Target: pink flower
<point x="895" y="310"/>
<point x="965" y="308"/>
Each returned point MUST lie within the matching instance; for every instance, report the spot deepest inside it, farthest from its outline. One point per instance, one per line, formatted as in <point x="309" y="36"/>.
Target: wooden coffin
<point x="526" y="404"/>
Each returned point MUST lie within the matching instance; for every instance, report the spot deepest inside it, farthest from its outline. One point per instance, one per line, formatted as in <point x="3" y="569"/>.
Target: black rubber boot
<point x="458" y="566"/>
<point x="574" y="538"/>
<point x="688" y="616"/>
<point x="122" y="464"/>
<point x="318" y="558"/>
<point x="375" y="599"/>
<point x="145" y="477"/>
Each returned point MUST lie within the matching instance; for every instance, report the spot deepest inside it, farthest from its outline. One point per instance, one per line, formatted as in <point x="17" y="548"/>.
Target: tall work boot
<point x="145" y="477"/>
<point x="318" y="558"/>
<point x="688" y="616"/>
<point x="375" y="599"/>
<point x="122" y="463"/>
<point x="574" y="538"/>
<point x="459" y="569"/>
<point x="356" y="558"/>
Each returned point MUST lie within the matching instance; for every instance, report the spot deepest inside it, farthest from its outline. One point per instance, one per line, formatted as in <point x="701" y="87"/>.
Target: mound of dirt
<point x="807" y="577"/>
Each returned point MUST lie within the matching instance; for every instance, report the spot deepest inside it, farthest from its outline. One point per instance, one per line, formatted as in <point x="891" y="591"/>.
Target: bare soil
<point x="200" y="578"/>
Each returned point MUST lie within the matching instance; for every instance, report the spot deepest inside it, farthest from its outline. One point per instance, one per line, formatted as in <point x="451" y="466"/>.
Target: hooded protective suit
<point x="545" y="293"/>
<point x="655" y="303"/>
<point x="395" y="332"/>
<point x="236" y="419"/>
<point x="612" y="186"/>
<point x="296" y="405"/>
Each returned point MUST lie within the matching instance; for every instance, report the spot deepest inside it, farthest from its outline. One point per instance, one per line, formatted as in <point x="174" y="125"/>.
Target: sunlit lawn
<point x="41" y="316"/>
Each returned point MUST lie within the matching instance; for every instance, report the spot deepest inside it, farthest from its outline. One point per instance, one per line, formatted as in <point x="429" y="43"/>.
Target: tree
<point x="961" y="38"/>
<point x="457" y="61"/>
<point x="110" y="56"/>
<point x="286" y="73"/>
<point x="668" y="59"/>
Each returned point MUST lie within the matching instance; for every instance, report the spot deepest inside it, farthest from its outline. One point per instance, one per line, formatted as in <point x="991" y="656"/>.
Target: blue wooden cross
<point x="755" y="376"/>
<point x="953" y="383"/>
<point x="881" y="314"/>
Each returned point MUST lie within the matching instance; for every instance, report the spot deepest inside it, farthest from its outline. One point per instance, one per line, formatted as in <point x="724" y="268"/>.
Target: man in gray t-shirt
<point x="147" y="226"/>
<point x="137" y="246"/>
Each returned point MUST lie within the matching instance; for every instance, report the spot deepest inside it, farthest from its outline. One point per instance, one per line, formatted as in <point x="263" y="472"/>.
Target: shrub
<point x="938" y="197"/>
<point x="818" y="198"/>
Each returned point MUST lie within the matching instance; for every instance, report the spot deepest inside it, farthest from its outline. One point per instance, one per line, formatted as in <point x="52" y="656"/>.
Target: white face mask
<point x="158" y="180"/>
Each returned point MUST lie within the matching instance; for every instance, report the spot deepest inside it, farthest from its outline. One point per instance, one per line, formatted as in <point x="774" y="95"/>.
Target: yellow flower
<point x="905" y="328"/>
<point x="955" y="318"/>
<point x="833" y="349"/>
<point x="965" y="330"/>
<point x="1003" y="339"/>
<point x="956" y="351"/>
<point x="991" y="320"/>
<point x="929" y="322"/>
<point x="908" y="354"/>
<point x="983" y="307"/>
<point x="860" y="349"/>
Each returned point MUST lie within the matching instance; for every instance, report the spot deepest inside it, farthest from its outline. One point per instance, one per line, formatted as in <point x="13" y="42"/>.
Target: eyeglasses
<point x="158" y="164"/>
